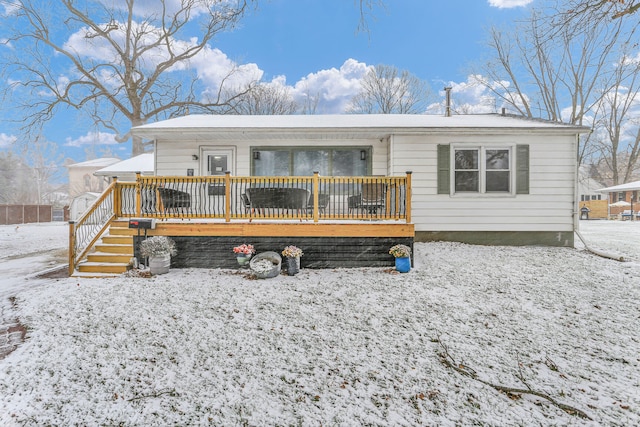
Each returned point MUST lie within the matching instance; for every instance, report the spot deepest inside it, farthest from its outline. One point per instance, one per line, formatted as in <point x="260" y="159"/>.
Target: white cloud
<point x="215" y="68"/>
<point x="212" y="66"/>
<point x="7" y="140"/>
<point x="332" y="88"/>
<point x="146" y="8"/>
<point x="92" y="138"/>
<point x="472" y="96"/>
<point x="506" y="4"/>
<point x="9" y="7"/>
<point x="4" y="42"/>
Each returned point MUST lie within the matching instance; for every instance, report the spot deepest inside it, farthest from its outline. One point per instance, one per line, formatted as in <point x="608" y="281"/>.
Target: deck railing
<point x="86" y="231"/>
<point x="229" y="197"/>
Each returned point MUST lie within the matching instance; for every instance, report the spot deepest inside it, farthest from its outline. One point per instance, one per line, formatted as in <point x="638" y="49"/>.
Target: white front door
<point x="217" y="161"/>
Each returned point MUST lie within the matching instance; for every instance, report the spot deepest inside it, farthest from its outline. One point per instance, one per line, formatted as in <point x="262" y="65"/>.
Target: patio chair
<point x="246" y="203"/>
<point x="323" y="203"/>
<point x="373" y="196"/>
<point x="174" y="200"/>
<point x="295" y="199"/>
<point x="354" y="203"/>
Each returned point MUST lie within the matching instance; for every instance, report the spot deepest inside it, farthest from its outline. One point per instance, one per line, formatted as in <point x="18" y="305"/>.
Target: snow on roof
<point x="142" y="163"/>
<point x="351" y="121"/>
<point x="95" y="163"/>
<point x="629" y="186"/>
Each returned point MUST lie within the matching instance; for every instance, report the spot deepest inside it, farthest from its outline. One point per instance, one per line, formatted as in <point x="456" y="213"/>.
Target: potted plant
<point x="402" y="254"/>
<point x="159" y="250"/>
<point x="243" y="253"/>
<point x="292" y="255"/>
<point x="266" y="265"/>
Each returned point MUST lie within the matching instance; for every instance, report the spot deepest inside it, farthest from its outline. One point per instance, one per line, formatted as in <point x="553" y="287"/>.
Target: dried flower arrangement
<point x="158" y="246"/>
<point x="292" y="252"/>
<point x="400" y="251"/>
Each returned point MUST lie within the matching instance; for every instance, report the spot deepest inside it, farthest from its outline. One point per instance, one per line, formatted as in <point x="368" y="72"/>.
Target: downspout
<point x="576" y="221"/>
<point x="599" y="252"/>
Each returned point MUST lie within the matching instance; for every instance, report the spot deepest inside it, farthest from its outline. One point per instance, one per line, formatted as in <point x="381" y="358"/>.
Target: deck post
<point x="408" y="198"/>
<point x="227" y="196"/>
<point x="72" y="247"/>
<point x="138" y="194"/>
<point x="117" y="199"/>
<point x="316" y="196"/>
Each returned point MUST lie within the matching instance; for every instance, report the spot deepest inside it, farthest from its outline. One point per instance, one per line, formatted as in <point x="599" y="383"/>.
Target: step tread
<point x="108" y="257"/>
<point x="103" y="267"/>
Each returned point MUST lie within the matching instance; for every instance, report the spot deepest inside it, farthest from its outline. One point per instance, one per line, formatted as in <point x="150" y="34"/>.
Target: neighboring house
<point x="126" y="170"/>
<point x="487" y="179"/>
<point x="82" y="178"/>
<point x="588" y="188"/>
<point x="623" y="197"/>
<point x="593" y="204"/>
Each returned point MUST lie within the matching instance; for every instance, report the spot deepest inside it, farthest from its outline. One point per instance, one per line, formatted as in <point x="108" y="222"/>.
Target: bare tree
<point x="43" y="160"/>
<point x="558" y="78"/>
<point x="266" y="99"/>
<point x="557" y="73"/>
<point x="125" y="62"/>
<point x="12" y="178"/>
<point x="577" y="15"/>
<point x="617" y="124"/>
<point x="31" y="173"/>
<point x="386" y="90"/>
<point x="366" y="12"/>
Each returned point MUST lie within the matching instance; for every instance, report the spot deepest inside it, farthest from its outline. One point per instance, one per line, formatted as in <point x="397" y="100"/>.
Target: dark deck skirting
<point x="319" y="252"/>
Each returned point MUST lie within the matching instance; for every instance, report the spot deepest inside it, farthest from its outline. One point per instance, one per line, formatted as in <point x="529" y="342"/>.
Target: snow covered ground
<point x="336" y="347"/>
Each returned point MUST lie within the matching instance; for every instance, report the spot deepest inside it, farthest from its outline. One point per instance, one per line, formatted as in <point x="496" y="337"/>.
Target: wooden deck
<point x="337" y="221"/>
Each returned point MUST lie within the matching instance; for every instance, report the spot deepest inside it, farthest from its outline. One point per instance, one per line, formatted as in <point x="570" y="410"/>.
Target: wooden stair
<point x="111" y="255"/>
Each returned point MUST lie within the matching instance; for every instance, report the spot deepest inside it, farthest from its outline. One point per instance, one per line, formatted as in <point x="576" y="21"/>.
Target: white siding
<point x="175" y="158"/>
<point x="549" y="205"/>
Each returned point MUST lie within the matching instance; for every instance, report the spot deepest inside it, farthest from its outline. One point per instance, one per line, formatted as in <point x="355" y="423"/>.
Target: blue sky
<point x="433" y="39"/>
<point x="314" y="45"/>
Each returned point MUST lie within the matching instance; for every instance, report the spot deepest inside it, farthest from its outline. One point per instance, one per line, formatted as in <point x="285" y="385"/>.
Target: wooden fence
<point x="23" y="214"/>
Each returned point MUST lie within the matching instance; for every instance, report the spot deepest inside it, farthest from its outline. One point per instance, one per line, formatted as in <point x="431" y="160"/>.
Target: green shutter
<point x="522" y="169"/>
<point x="444" y="176"/>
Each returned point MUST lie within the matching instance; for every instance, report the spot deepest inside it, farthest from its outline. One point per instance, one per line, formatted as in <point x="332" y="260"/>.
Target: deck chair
<point x="174" y="200"/>
<point x="354" y="203"/>
<point x="246" y="203"/>
<point x="373" y="197"/>
<point x="323" y="202"/>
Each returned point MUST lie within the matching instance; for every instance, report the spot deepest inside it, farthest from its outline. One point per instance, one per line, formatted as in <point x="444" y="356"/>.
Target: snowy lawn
<point x="341" y="347"/>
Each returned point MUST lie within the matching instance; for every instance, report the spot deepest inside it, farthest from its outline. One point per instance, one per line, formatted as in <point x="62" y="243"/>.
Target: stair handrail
<point x="86" y="231"/>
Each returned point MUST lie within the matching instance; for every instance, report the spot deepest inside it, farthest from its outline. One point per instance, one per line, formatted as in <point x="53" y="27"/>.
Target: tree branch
<point x="450" y="362"/>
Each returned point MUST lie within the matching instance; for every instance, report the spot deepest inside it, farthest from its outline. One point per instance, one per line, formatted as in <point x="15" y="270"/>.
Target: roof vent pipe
<point x="447" y="103"/>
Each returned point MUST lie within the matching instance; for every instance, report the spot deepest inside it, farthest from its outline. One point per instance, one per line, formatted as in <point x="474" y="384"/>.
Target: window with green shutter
<point x="483" y="169"/>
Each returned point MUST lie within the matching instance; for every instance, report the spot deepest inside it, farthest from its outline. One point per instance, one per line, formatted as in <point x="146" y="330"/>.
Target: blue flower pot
<point x="403" y="264"/>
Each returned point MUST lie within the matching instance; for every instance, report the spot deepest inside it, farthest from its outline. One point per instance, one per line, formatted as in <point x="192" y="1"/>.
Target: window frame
<point x="299" y="148"/>
<point x="482" y="169"/>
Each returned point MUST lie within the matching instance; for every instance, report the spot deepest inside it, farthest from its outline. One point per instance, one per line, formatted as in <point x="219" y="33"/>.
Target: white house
<point x="82" y="178"/>
<point x="126" y="170"/>
<point x="489" y="179"/>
